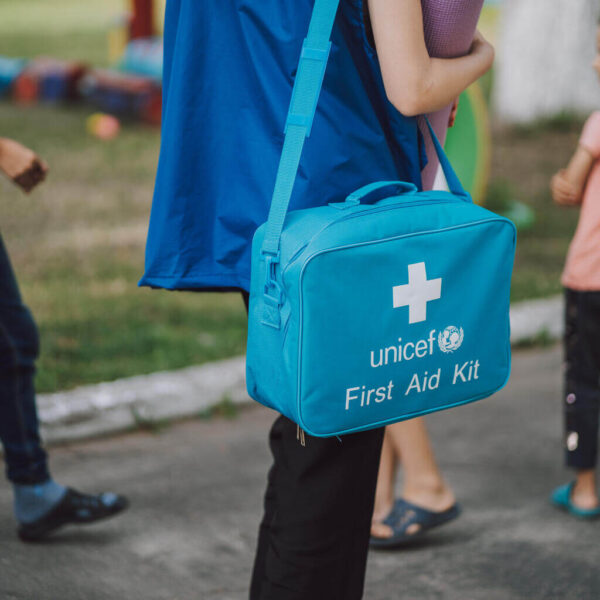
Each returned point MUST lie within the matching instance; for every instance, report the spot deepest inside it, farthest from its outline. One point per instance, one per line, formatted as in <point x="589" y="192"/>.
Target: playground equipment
<point x="144" y="56"/>
<point x="133" y="91"/>
<point x="135" y="49"/>
<point x="10" y="69"/>
<point x="47" y="80"/>
<point x="140" y="24"/>
<point x="123" y="94"/>
<point x="103" y="126"/>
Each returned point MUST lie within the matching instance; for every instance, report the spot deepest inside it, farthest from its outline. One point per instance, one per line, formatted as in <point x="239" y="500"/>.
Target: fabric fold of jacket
<point x="229" y="69"/>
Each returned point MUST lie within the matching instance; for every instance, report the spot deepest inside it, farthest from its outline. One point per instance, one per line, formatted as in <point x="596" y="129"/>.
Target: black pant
<point x="25" y="458"/>
<point x="314" y="536"/>
<point x="582" y="378"/>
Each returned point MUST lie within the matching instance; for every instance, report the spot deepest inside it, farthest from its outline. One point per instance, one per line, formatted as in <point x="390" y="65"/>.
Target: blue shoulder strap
<point x="305" y="94"/>
<point x="303" y="105"/>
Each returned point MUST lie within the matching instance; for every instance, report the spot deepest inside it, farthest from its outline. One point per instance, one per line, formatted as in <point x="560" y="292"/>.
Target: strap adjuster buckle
<point x="273" y="294"/>
<point x="271" y="283"/>
<point x="311" y="71"/>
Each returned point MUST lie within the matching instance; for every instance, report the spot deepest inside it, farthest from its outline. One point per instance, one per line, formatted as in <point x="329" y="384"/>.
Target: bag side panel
<point x="271" y="358"/>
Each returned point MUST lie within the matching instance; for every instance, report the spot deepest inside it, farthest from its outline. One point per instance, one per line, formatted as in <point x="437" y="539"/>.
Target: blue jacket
<point x="228" y="76"/>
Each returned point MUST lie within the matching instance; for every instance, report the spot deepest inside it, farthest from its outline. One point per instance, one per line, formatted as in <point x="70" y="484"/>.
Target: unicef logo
<point x="451" y="338"/>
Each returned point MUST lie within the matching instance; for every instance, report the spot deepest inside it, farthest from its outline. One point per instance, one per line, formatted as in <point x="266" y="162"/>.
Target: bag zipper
<point x="362" y="212"/>
<point x="300" y="435"/>
<point x="394" y="207"/>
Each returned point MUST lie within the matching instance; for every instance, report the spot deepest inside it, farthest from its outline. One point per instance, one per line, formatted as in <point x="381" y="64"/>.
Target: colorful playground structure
<point x="130" y="88"/>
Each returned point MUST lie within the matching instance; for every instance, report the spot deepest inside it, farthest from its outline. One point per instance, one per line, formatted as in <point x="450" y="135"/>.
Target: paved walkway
<point x="196" y="493"/>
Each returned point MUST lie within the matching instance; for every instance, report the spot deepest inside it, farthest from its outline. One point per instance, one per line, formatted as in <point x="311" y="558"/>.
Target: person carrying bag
<point x="229" y="73"/>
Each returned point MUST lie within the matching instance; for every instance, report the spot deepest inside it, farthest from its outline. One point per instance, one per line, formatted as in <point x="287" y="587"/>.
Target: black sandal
<point x="74" y="508"/>
<point x="403" y="515"/>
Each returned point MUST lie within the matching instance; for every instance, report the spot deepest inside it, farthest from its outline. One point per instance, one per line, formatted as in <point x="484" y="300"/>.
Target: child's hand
<point x="452" y="118"/>
<point x="563" y="191"/>
<point x="21" y="164"/>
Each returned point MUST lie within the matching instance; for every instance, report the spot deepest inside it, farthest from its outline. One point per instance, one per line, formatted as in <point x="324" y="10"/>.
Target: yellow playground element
<point x="146" y="17"/>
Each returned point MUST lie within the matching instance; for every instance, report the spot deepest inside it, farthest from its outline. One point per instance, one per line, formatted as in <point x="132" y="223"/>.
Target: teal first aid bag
<point x="387" y="306"/>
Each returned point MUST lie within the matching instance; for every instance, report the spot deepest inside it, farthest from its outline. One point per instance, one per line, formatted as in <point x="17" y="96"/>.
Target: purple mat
<point x="449" y="29"/>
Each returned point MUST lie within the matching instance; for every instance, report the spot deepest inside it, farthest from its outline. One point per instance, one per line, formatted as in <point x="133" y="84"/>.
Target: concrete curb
<point x="104" y="408"/>
<point x="534" y="318"/>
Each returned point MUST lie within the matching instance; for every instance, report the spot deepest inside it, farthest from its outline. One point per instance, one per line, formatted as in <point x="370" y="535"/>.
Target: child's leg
<point x="25" y="458"/>
<point x="386" y="486"/>
<point x="423" y="483"/>
<point x="41" y="505"/>
<point x="582" y="392"/>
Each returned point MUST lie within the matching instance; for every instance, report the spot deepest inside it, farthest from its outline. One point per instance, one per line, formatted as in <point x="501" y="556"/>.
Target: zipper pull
<point x="300" y="435"/>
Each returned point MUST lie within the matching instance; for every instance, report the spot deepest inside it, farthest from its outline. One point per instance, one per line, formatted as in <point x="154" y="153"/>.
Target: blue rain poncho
<point x="229" y="68"/>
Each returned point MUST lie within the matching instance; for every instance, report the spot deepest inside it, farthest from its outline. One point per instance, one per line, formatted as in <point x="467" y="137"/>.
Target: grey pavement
<point x="196" y="491"/>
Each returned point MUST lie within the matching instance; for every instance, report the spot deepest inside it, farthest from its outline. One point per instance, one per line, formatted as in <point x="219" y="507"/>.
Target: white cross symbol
<point x="417" y="292"/>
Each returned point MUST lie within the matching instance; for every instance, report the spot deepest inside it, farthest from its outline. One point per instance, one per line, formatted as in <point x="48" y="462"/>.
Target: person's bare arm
<point x="21" y="165"/>
<point x="568" y="184"/>
<point x="415" y="83"/>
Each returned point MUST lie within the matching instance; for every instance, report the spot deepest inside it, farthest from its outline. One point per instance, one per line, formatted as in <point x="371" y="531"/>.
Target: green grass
<point x="70" y="29"/>
<point x="541" y="340"/>
<point x="225" y="409"/>
<point x="523" y="161"/>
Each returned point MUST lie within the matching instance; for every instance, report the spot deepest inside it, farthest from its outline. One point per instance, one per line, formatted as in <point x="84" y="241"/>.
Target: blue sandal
<point x="403" y="515"/>
<point x="561" y="498"/>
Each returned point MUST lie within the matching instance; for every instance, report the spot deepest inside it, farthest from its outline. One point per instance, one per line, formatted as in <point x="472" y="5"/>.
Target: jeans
<point x="26" y="461"/>
<point x="582" y="378"/>
<point x="314" y="535"/>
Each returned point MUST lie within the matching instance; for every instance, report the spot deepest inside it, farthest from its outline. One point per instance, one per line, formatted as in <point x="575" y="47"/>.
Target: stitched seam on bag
<point x="366" y="212"/>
